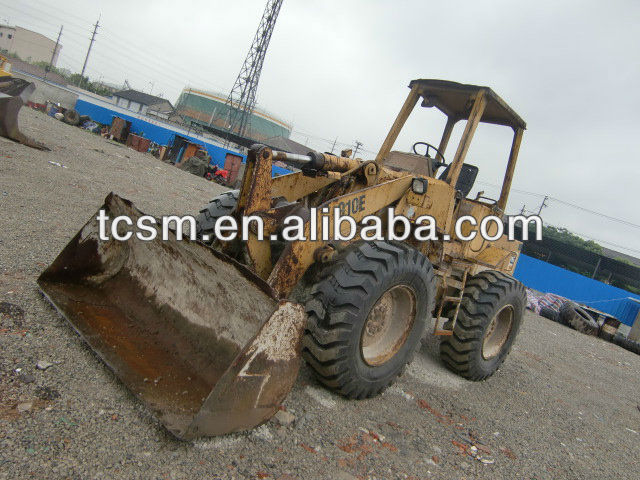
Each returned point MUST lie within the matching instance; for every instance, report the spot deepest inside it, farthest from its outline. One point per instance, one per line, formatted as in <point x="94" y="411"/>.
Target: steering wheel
<point x="435" y="163"/>
<point x="429" y="146"/>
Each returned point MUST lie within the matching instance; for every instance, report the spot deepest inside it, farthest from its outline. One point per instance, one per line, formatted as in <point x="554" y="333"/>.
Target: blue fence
<point x="162" y="135"/>
<point x="548" y="278"/>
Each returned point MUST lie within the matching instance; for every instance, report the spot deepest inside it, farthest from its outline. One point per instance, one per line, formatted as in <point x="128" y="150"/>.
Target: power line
<point x="620" y="220"/>
<point x="176" y="81"/>
<point x="606" y="242"/>
<point x="329" y="142"/>
<point x="564" y="202"/>
<point x="114" y="39"/>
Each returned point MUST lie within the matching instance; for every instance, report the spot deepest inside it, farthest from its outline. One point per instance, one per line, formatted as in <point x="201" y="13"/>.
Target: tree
<point x="565" y="236"/>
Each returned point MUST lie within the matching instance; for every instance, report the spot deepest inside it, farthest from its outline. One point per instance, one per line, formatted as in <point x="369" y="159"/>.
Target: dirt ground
<point x="563" y="405"/>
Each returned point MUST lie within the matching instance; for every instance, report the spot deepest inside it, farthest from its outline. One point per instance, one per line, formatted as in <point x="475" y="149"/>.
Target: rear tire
<point x="367" y="315"/>
<point x="223" y="204"/>
<point x="578" y="318"/>
<point x="71" y="117"/>
<point x="490" y="315"/>
<point x="550" y="313"/>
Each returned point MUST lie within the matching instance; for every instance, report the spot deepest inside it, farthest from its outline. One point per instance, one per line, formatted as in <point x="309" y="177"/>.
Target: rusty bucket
<point x="14" y="93"/>
<point x="199" y="338"/>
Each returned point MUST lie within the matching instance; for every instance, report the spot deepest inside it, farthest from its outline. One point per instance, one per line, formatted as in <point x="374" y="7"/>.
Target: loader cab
<point x="470" y="103"/>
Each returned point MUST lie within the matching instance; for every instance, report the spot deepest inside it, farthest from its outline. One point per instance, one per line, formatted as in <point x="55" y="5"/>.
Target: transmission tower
<point x="242" y="98"/>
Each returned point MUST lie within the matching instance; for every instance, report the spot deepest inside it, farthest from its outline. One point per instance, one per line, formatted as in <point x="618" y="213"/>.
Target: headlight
<point x="419" y="186"/>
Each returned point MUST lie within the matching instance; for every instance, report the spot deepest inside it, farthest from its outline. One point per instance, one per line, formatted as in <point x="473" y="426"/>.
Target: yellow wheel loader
<point x="210" y="333"/>
<point x="14" y="93"/>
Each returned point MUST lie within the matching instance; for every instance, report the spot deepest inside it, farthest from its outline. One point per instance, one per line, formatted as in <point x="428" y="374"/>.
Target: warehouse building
<point x="208" y="108"/>
<point x="140" y="102"/>
<point x="28" y="45"/>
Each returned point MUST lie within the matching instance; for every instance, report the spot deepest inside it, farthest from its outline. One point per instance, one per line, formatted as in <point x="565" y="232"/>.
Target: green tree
<point x="565" y="236"/>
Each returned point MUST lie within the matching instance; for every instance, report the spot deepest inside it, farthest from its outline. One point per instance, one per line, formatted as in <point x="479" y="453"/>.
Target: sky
<point x="338" y="70"/>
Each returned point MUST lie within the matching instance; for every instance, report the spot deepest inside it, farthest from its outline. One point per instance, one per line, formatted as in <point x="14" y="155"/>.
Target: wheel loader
<point x="210" y="333"/>
<point x="14" y="93"/>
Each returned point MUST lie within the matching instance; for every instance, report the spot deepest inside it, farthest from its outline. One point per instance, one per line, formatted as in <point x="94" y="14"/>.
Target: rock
<point x="43" y="365"/>
<point x="24" y="407"/>
<point x="262" y="433"/>
<point x="284" y="418"/>
<point x="47" y="393"/>
<point x="27" y="378"/>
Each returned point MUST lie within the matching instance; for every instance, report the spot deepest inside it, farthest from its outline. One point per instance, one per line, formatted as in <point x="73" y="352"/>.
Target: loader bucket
<point x="14" y="92"/>
<point x="199" y="338"/>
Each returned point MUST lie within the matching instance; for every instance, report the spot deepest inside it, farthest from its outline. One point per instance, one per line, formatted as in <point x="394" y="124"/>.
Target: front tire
<point x="488" y="321"/>
<point x="223" y="204"/>
<point x="367" y="315"/>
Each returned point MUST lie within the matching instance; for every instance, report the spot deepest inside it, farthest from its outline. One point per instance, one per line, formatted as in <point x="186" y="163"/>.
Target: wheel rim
<point x="388" y="325"/>
<point x="497" y="332"/>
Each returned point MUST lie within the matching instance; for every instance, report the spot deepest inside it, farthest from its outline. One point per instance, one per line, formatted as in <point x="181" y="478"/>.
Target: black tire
<point x="221" y="205"/>
<point x="339" y="308"/>
<point x="578" y="318"/>
<point x="617" y="339"/>
<point x="71" y="117"/>
<point x="606" y="336"/>
<point x="627" y="343"/>
<point x="550" y="313"/>
<point x="607" y="332"/>
<point x="485" y="297"/>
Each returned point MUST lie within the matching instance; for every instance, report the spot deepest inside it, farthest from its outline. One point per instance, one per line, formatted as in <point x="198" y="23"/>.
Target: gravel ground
<point x="563" y="405"/>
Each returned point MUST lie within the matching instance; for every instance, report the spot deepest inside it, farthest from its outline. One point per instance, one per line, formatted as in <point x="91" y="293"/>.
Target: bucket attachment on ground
<point x="14" y="92"/>
<point x="199" y="338"/>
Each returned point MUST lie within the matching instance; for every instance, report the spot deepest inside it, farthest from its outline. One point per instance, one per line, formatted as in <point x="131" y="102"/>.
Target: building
<point x="111" y="87"/>
<point x="208" y="109"/>
<point x="28" y="45"/>
<point x="283" y="144"/>
<point x="140" y="102"/>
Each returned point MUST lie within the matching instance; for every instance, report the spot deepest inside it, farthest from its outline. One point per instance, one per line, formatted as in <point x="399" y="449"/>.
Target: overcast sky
<point x="340" y="69"/>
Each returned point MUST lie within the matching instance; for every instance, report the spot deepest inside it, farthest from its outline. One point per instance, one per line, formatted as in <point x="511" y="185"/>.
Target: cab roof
<point x="456" y="100"/>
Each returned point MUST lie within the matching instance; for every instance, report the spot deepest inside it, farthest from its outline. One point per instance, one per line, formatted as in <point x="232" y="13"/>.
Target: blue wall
<point x="159" y="134"/>
<point x="548" y="278"/>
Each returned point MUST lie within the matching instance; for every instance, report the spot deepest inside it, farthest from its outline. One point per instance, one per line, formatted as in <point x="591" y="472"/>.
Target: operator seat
<point x="466" y="179"/>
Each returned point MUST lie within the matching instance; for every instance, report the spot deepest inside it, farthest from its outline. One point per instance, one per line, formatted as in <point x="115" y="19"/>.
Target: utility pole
<point x="522" y="209"/>
<point x="334" y="144"/>
<point x="543" y="204"/>
<point x="358" y="145"/>
<point x="53" y="54"/>
<point x="93" y="37"/>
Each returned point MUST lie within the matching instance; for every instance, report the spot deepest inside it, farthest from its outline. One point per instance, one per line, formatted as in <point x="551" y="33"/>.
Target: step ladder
<point x="447" y="281"/>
